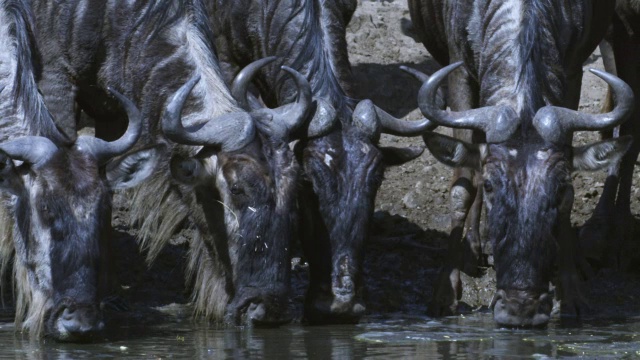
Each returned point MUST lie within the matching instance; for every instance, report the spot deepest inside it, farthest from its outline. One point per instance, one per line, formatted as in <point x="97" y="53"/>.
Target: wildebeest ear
<point x="9" y="179"/>
<point x="600" y="155"/>
<point x="397" y="156"/>
<point x="132" y="169"/>
<point x="453" y="152"/>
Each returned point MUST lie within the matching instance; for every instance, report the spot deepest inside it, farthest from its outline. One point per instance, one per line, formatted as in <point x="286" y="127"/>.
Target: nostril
<point x="79" y="323"/>
<point x="98" y="327"/>
<point x="68" y="314"/>
<point x="498" y="296"/>
<point x="521" y="309"/>
<point x="256" y="312"/>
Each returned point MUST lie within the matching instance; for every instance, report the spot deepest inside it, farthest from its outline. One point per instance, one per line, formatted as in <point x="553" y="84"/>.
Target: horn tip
<point x="364" y="102"/>
<point x="264" y="61"/>
<point x="111" y="91"/>
<point x="600" y="73"/>
<point x="454" y="65"/>
<point x="407" y="69"/>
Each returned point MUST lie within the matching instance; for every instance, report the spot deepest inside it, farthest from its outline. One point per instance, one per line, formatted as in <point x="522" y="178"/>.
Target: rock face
<point x="478" y="291"/>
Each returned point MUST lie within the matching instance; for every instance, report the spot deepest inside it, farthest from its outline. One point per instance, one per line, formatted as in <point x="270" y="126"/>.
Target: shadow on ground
<point x="385" y="84"/>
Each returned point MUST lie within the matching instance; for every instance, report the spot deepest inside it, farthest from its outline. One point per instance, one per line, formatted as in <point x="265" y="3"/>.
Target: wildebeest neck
<point x="22" y="110"/>
<point x="307" y="36"/>
<point x="176" y="43"/>
<point x="519" y="47"/>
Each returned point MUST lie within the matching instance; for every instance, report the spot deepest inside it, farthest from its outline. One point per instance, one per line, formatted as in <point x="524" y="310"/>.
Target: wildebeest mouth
<point x="69" y="321"/>
<point x="521" y="308"/>
<point x="253" y="307"/>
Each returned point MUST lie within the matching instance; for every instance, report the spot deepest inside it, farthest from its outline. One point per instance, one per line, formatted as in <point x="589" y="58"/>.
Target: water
<point x="463" y="337"/>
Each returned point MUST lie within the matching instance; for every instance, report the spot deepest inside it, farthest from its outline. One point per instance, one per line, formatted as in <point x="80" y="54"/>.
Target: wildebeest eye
<point x="488" y="186"/>
<point x="236" y="189"/>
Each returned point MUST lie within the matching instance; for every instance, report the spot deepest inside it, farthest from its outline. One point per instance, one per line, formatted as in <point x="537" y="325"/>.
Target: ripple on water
<point x="614" y="350"/>
<point x="401" y="337"/>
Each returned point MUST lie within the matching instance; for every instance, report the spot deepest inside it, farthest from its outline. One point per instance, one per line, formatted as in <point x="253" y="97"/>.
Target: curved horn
<point x="557" y="124"/>
<point x="422" y="77"/>
<point x="295" y="113"/>
<point x="374" y="120"/>
<point x="280" y="122"/>
<point x="441" y="102"/>
<point x="102" y="150"/>
<point x="498" y="122"/>
<point x="35" y="150"/>
<point x="230" y="131"/>
<point x="323" y="119"/>
<point x="241" y="82"/>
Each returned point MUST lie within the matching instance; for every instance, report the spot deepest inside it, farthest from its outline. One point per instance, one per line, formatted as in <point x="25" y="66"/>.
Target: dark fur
<point x="541" y="79"/>
<point x="522" y="251"/>
<point x="606" y="236"/>
<point x="28" y="71"/>
<point x="69" y="179"/>
<point x="552" y="41"/>
<point x="338" y="199"/>
<point x="136" y="55"/>
<point x="244" y="28"/>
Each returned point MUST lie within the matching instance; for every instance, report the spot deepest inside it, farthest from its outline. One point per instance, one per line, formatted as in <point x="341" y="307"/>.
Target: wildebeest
<point x="55" y="196"/>
<point x="226" y="174"/>
<point x="607" y="235"/>
<point x="521" y="76"/>
<point x="343" y="167"/>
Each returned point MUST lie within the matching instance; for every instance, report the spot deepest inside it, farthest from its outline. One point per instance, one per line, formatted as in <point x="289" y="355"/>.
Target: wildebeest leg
<point x="627" y="53"/>
<point x="472" y="247"/>
<point x="569" y="286"/>
<point x="463" y="192"/>
<point x="597" y="229"/>
<point x="315" y="245"/>
<point x="595" y="232"/>
<point x="612" y="218"/>
<point x="570" y="257"/>
<point x="448" y="289"/>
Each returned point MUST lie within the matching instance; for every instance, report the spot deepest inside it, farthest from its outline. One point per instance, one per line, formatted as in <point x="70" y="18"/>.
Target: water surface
<point x="463" y="337"/>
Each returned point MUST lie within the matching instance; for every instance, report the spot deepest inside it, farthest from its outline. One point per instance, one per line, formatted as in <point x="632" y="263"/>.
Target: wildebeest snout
<point x="252" y="306"/>
<point x="77" y="322"/>
<point x="517" y="308"/>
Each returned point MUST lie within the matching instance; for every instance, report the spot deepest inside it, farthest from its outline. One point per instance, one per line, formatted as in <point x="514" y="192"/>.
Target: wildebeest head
<point x="346" y="168"/>
<point x="60" y="200"/>
<point x="527" y="187"/>
<point x="256" y="184"/>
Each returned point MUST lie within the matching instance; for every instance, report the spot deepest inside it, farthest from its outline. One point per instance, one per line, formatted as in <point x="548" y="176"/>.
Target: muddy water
<point x="463" y="337"/>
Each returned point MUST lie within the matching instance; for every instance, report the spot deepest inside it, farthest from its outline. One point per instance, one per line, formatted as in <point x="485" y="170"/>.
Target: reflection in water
<point x="470" y="337"/>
